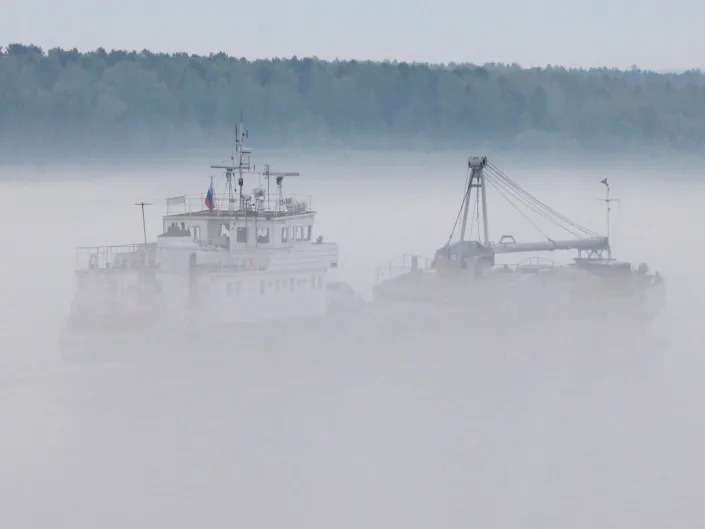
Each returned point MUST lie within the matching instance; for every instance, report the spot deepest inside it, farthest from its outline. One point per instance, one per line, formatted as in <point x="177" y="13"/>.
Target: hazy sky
<point x="647" y="33"/>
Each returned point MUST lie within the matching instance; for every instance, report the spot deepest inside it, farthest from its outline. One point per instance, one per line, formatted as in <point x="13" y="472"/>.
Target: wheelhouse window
<point x="303" y="233"/>
<point x="242" y="235"/>
<point x="263" y="235"/>
<point x="285" y="233"/>
<point x="195" y="232"/>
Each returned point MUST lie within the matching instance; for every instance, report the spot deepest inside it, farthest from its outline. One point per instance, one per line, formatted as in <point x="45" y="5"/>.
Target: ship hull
<point x="381" y="332"/>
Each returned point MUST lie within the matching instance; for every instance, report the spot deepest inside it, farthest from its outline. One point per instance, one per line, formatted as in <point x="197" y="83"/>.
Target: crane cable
<point x="538" y="204"/>
<point x="517" y="208"/>
<point x="462" y="204"/>
<point x="528" y="205"/>
<point x="542" y="209"/>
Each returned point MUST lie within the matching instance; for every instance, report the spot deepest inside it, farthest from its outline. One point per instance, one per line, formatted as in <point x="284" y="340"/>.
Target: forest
<point x="99" y="101"/>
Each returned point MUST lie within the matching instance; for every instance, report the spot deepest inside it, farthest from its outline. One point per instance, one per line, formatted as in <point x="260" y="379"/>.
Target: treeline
<point x="70" y="100"/>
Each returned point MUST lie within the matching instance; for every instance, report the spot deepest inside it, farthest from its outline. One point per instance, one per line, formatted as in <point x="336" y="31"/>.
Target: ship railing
<point x="532" y="263"/>
<point x="273" y="204"/>
<point x="122" y="256"/>
<point x="538" y="262"/>
<point x="401" y="265"/>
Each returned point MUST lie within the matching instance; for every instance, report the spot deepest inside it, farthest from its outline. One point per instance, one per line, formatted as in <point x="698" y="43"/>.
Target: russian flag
<point x="209" y="198"/>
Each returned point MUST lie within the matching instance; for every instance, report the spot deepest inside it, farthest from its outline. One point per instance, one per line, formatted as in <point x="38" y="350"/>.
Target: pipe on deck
<point x="597" y="243"/>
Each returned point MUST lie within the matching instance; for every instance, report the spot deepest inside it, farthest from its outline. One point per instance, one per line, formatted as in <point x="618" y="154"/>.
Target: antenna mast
<point x="229" y="179"/>
<point x="242" y="154"/>
<point x="608" y="206"/>
<point x="266" y="175"/>
<point x="144" y="228"/>
<point x="240" y="151"/>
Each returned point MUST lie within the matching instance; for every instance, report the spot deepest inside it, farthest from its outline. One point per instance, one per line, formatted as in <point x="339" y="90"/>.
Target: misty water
<point x="596" y="438"/>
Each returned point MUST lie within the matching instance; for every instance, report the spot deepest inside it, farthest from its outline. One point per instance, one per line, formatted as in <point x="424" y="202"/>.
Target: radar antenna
<point x="279" y="176"/>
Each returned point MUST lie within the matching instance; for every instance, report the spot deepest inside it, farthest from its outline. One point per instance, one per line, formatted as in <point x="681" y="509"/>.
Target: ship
<point x="235" y="266"/>
<point x="464" y="286"/>
<point x="242" y="280"/>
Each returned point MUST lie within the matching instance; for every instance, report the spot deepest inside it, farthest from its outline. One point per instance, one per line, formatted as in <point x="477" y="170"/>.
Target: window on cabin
<point x="303" y="233"/>
<point x="291" y="284"/>
<point x="263" y="235"/>
<point x="285" y="234"/>
<point x="224" y="230"/>
<point x="229" y="289"/>
<point x="242" y="235"/>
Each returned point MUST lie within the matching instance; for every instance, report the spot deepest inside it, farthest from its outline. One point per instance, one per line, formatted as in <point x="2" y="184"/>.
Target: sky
<point x="615" y="33"/>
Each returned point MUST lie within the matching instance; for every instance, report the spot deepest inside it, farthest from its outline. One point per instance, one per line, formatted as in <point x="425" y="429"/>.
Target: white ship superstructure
<point x="219" y="259"/>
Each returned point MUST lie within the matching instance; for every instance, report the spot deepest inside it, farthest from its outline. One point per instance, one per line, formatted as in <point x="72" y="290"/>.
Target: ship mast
<point x="608" y="206"/>
<point x="242" y="155"/>
<point x="476" y="180"/>
<point x="240" y="152"/>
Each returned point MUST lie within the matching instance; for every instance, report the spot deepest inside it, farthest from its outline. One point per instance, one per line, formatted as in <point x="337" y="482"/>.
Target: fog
<point x="538" y="436"/>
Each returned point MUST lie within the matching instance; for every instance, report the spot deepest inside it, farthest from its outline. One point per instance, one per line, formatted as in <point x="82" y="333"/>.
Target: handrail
<point x="274" y="205"/>
<point x="137" y="255"/>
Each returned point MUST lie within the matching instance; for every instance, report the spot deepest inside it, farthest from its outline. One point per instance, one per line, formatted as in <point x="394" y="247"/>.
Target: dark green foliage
<point x="74" y="100"/>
